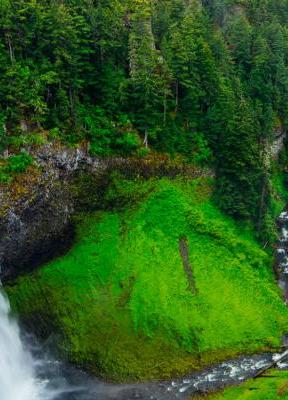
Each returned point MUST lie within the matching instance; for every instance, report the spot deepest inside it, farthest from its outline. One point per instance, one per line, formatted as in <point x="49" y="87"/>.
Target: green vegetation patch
<point x="124" y="301"/>
<point x="272" y="387"/>
<point x="15" y="164"/>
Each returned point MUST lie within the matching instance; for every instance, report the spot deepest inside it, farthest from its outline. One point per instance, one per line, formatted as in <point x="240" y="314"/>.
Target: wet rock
<point x="36" y="211"/>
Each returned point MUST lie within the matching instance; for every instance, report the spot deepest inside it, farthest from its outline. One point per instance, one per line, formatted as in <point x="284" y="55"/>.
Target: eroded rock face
<point x="28" y="235"/>
<point x="36" y="210"/>
<point x="280" y="135"/>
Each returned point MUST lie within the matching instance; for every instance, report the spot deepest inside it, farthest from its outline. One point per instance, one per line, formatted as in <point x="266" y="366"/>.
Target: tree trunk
<point x="145" y="142"/>
<point x="262" y="204"/>
<point x="184" y="253"/>
<point x="72" y="108"/>
<point x="165" y="110"/>
<point x="10" y="46"/>
<point x="273" y="364"/>
<point x="177" y="97"/>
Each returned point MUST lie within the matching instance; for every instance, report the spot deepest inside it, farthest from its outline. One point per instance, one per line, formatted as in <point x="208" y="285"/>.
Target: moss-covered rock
<point x="121" y="301"/>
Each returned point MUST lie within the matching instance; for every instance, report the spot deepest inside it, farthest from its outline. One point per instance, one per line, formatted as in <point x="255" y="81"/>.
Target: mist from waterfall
<point x="17" y="375"/>
<point x="27" y="373"/>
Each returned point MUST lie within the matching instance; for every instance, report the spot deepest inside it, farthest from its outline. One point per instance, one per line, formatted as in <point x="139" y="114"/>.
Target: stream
<point x="27" y="372"/>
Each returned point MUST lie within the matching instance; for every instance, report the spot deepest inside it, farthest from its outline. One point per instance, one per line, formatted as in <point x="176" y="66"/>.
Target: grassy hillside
<point x="160" y="283"/>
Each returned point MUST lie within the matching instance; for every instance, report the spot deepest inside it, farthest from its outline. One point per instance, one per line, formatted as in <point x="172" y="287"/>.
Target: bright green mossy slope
<point x="275" y="387"/>
<point x="121" y="301"/>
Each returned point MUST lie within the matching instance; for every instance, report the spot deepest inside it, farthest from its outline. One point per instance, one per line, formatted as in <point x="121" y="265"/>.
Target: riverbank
<point x="274" y="386"/>
<point x="100" y="302"/>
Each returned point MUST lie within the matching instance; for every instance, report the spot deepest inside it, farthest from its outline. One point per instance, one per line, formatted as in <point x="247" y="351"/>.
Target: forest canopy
<point x="207" y="80"/>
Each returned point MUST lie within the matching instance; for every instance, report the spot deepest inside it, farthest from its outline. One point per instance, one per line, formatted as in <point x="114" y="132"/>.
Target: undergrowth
<point x="15" y="164"/>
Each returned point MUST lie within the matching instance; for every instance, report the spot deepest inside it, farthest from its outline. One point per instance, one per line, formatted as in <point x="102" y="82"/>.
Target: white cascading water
<point x="17" y="375"/>
<point x="23" y="377"/>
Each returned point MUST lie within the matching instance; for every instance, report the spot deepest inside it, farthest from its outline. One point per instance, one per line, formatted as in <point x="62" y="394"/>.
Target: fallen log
<point x="273" y="364"/>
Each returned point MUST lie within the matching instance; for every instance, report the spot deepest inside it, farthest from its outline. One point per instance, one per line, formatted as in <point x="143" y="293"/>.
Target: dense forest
<point x="204" y="80"/>
<point x="143" y="198"/>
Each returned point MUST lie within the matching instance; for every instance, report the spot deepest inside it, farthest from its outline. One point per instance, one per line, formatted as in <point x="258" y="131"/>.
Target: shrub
<point x="20" y="162"/>
<point x="15" y="164"/>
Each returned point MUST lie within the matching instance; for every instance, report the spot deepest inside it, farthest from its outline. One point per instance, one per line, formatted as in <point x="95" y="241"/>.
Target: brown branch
<point x="273" y="364"/>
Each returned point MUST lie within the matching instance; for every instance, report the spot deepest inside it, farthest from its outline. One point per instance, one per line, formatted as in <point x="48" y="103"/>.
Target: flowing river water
<point x="28" y="373"/>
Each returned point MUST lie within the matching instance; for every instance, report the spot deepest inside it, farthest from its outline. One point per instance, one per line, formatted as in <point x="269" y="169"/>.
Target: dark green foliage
<point x="206" y="79"/>
<point x="239" y="165"/>
<point x="107" y="136"/>
<point x="19" y="163"/>
<point x="14" y="164"/>
<point x="3" y="135"/>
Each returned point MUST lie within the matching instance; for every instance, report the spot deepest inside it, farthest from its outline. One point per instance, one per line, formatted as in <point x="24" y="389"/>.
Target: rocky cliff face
<point x="280" y="135"/>
<point x="36" y="209"/>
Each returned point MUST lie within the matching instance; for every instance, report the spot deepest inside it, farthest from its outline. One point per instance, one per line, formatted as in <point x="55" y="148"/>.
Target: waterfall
<point x="27" y="376"/>
<point x="17" y="374"/>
